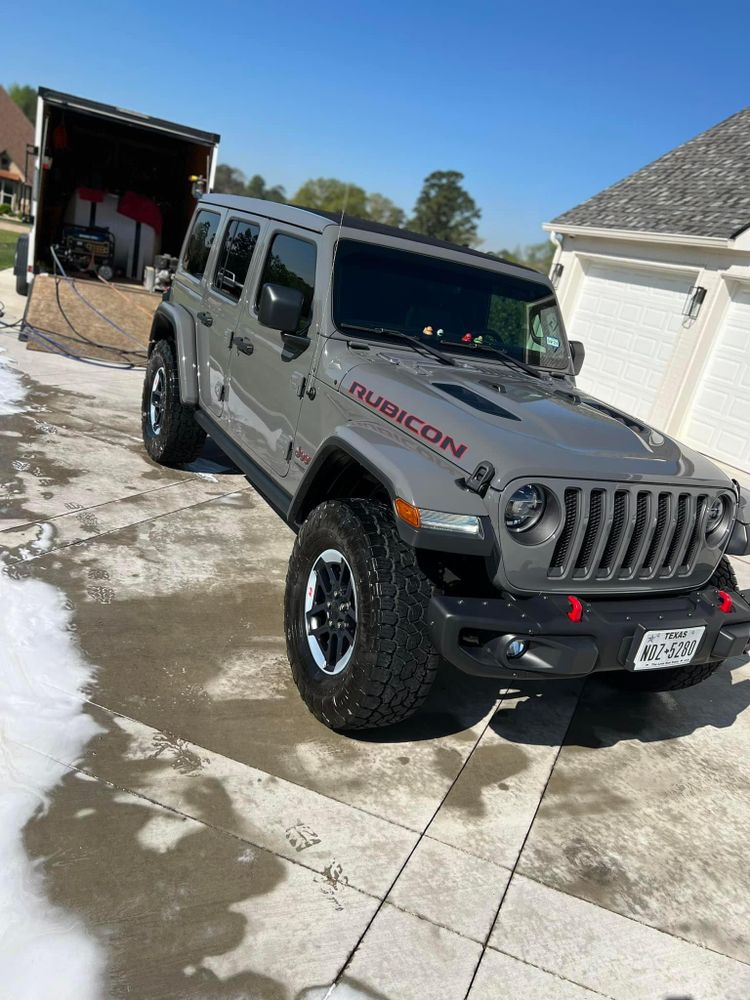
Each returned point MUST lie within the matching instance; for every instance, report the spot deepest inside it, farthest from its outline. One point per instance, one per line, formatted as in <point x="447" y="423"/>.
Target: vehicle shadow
<point x="600" y="713"/>
<point x="455" y="703"/>
<point x="213" y="460"/>
<point x="607" y="714"/>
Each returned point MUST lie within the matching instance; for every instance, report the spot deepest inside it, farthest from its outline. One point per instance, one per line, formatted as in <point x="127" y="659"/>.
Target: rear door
<point x="267" y="376"/>
<point x="189" y="290"/>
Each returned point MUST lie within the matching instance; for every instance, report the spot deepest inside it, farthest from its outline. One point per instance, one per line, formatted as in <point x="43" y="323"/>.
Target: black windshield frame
<point x="375" y="285"/>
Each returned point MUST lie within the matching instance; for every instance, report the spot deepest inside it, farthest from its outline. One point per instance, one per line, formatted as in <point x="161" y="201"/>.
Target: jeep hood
<point x="524" y="426"/>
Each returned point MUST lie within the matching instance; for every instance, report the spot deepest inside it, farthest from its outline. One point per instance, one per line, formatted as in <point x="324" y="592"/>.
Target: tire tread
<point x="403" y="662"/>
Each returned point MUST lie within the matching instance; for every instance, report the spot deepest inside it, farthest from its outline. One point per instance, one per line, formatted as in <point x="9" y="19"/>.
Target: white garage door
<point x="629" y="320"/>
<point x="719" y="421"/>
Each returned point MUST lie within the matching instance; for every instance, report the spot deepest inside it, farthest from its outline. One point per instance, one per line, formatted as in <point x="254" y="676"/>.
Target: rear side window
<point x="234" y="257"/>
<point x="291" y="262"/>
<point x="199" y="243"/>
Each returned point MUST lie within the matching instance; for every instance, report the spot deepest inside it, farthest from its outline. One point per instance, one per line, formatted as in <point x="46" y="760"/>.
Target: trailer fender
<point x="171" y="320"/>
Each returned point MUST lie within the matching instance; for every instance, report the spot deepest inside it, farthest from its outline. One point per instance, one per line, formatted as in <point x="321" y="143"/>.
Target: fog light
<point x="515" y="648"/>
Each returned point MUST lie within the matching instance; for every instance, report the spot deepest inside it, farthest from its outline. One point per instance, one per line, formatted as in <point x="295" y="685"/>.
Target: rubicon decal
<point x="408" y="420"/>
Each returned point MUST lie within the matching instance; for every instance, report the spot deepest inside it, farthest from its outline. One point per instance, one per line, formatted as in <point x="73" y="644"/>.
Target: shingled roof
<point x="15" y="130"/>
<point x="701" y="188"/>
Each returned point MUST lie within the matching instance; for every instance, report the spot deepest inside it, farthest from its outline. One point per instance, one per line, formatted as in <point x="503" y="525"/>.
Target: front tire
<point x="677" y="678"/>
<point x="355" y="617"/>
<point x="170" y="433"/>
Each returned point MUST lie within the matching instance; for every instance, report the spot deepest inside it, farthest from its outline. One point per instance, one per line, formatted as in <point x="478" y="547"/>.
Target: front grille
<point x="627" y="533"/>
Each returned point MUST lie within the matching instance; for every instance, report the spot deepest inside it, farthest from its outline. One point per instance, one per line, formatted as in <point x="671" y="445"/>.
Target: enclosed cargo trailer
<point x="110" y="184"/>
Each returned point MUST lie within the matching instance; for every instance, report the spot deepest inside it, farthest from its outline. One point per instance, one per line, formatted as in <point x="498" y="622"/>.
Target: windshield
<point x="446" y="305"/>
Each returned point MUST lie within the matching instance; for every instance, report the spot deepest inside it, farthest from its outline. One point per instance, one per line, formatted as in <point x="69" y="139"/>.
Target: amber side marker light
<point x="438" y="520"/>
<point x="408" y="512"/>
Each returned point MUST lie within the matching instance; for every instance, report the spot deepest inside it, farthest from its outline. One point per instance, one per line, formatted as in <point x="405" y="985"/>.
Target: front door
<point x="267" y="375"/>
<point x="218" y="317"/>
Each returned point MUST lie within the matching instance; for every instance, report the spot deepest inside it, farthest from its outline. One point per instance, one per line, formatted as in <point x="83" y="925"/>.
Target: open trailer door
<point x="113" y="188"/>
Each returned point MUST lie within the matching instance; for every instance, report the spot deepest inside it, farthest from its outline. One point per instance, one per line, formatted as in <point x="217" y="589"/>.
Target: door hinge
<point x="219" y="390"/>
<point x="289" y="451"/>
<point x="299" y="381"/>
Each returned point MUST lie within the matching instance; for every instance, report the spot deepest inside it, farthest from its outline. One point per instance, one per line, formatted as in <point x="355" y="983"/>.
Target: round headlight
<point x="525" y="508"/>
<point x="716" y="513"/>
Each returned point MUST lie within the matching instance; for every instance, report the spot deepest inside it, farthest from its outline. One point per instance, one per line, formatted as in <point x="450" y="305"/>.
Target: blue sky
<point x="540" y="104"/>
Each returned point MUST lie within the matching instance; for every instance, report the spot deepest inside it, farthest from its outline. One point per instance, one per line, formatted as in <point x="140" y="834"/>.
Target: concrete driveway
<point x="199" y="834"/>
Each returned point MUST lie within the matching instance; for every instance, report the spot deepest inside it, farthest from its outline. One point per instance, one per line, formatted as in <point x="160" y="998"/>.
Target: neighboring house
<point x="16" y="132"/>
<point x="654" y="277"/>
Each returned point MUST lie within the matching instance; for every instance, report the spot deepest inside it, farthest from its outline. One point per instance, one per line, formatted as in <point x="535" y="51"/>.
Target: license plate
<point x="668" y="648"/>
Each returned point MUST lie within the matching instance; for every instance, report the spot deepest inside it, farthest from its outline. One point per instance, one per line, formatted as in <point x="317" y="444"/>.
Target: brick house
<point x="16" y="132"/>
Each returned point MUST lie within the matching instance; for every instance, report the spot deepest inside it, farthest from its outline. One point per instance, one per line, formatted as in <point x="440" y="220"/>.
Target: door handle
<point x="206" y="318"/>
<point x="244" y="345"/>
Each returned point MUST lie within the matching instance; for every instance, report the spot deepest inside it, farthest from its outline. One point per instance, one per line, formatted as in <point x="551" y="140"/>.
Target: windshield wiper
<point x="508" y="358"/>
<point x="404" y="337"/>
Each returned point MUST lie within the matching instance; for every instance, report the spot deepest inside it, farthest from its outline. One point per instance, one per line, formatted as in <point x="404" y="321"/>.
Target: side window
<point x="200" y="242"/>
<point x="234" y="257"/>
<point x="291" y="262"/>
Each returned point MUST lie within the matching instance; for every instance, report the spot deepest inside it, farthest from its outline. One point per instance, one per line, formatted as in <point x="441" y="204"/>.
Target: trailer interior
<point x="107" y="151"/>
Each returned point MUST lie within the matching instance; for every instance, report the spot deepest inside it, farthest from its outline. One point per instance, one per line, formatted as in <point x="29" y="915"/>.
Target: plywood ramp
<point x="60" y="312"/>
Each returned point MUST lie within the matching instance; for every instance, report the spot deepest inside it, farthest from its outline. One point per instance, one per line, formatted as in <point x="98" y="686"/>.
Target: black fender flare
<point x="406" y="470"/>
<point x="174" y="317"/>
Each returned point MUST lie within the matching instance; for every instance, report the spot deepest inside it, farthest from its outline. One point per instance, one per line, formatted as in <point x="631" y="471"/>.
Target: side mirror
<point x="577" y="353"/>
<point x="280" y="308"/>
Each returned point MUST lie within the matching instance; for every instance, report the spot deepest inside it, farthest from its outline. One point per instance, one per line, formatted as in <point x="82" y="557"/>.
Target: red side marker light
<point x="576" y="609"/>
<point x="725" y="601"/>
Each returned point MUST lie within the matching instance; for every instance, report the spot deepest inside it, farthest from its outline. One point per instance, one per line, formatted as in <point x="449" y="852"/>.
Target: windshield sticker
<point x="408" y="420"/>
<point x="553" y="342"/>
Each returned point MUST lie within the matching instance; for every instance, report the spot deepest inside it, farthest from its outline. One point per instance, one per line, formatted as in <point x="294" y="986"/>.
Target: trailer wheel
<point x="20" y="263"/>
<point x="676" y="678"/>
<point x="170" y="433"/>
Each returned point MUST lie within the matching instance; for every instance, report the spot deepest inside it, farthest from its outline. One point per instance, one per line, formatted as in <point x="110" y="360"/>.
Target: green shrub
<point x="4" y="209"/>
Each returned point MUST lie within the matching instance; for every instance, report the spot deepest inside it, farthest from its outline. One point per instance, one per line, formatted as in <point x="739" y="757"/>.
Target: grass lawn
<point x="7" y="247"/>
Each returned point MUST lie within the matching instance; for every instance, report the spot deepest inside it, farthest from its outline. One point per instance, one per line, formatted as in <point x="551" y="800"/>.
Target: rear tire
<point x="170" y="433"/>
<point x="390" y="664"/>
<point x="676" y="678"/>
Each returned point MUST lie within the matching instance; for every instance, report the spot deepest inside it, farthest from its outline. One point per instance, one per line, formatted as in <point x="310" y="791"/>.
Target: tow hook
<point x="576" y="609"/>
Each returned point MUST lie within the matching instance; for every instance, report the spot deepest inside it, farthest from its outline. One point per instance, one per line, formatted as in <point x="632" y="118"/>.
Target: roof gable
<point x="701" y="188"/>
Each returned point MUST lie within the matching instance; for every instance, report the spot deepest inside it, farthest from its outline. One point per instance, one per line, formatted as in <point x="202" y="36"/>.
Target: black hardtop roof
<point x="87" y="106"/>
<point x="317" y="220"/>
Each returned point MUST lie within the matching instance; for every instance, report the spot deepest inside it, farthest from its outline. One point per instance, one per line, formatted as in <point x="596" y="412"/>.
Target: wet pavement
<point x="214" y="840"/>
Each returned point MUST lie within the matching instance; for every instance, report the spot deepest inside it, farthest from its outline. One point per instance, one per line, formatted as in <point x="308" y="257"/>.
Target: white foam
<point x="44" y="951"/>
<point x="11" y="389"/>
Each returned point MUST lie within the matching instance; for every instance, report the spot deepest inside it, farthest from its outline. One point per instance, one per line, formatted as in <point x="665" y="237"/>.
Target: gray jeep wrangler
<point x="410" y="409"/>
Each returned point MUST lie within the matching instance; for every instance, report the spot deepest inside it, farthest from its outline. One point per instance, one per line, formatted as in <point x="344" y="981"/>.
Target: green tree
<point x="229" y="180"/>
<point x="25" y="98"/>
<point x="256" y="188"/>
<point x="330" y="195"/>
<point x="445" y="210"/>
<point x="383" y="210"/>
<point x="536" y="255"/>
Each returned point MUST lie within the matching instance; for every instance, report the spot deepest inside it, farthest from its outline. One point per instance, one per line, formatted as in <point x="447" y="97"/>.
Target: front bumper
<point x="473" y="633"/>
